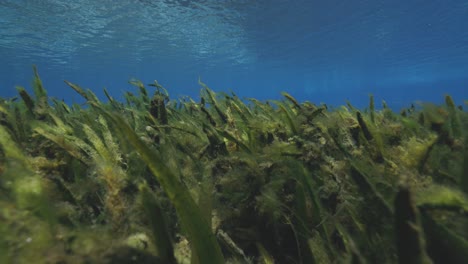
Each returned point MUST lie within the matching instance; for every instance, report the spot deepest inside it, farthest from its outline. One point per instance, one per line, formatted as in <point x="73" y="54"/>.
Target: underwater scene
<point x="233" y="131"/>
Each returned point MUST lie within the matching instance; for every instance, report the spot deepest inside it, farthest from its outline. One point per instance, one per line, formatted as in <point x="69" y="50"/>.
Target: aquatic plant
<point x="226" y="179"/>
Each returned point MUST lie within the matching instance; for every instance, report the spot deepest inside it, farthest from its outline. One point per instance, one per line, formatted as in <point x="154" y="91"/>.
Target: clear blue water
<point x="322" y="51"/>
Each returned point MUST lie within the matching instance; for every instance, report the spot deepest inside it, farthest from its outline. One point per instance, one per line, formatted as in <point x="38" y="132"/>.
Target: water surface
<point x="323" y="51"/>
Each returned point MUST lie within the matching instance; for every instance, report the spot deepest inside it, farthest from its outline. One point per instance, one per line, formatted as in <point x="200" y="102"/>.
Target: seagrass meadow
<point x="224" y="180"/>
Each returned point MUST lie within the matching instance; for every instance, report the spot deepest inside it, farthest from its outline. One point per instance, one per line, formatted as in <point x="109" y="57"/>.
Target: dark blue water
<point x="322" y="51"/>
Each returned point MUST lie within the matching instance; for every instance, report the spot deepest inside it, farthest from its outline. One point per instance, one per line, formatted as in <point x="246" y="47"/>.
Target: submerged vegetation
<point x="156" y="180"/>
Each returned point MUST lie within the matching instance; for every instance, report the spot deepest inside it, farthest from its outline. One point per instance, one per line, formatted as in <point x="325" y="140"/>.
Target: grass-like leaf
<point x="205" y="248"/>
